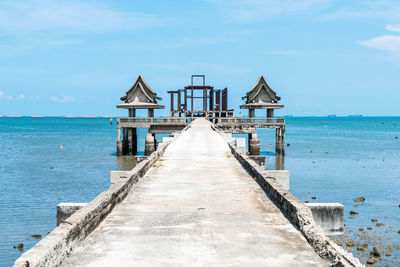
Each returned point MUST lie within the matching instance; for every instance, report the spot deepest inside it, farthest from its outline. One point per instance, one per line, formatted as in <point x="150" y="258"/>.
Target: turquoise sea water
<point x="333" y="159"/>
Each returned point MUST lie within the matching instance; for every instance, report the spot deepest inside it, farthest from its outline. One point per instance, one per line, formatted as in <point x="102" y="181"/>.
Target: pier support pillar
<point x="254" y="144"/>
<point x="150" y="144"/>
<point x="119" y="143"/>
<point x="280" y="141"/>
<point x="133" y="141"/>
<point x="125" y="143"/>
<point x="130" y="140"/>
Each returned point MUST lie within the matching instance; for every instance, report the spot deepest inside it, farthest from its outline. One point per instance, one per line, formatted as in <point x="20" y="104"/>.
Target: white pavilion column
<point x="252" y="112"/>
<point x="270" y="113"/>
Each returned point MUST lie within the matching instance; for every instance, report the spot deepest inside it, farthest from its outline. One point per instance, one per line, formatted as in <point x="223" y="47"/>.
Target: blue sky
<point x="80" y="57"/>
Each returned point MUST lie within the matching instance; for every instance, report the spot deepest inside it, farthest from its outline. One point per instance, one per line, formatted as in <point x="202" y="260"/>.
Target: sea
<point x="48" y="160"/>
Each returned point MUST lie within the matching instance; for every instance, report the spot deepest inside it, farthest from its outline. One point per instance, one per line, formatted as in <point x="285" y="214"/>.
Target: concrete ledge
<point x="281" y="176"/>
<point x="167" y="139"/>
<point x="57" y="245"/>
<point x="298" y="214"/>
<point x="328" y="216"/>
<point x="115" y="176"/>
<point x="259" y="159"/>
<point x="140" y="158"/>
<point x="65" y="210"/>
<point x="240" y="144"/>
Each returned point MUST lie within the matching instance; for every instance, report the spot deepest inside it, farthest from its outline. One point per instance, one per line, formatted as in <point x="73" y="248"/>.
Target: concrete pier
<point x="195" y="206"/>
<point x="254" y="144"/>
<point x="64" y="210"/>
<point x="196" y="200"/>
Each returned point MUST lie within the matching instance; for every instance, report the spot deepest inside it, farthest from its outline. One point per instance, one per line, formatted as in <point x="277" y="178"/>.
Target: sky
<point x="77" y="58"/>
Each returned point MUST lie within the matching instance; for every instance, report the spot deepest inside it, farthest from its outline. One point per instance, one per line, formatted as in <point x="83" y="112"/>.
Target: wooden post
<point x="185" y="101"/>
<point x="179" y="103"/>
<point x="172" y="104"/>
<point x="204" y="99"/>
<point x="192" y="101"/>
<point x="150" y="112"/>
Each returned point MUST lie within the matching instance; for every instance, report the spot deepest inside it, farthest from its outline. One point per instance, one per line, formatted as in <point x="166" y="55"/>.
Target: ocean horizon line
<point x="284" y="116"/>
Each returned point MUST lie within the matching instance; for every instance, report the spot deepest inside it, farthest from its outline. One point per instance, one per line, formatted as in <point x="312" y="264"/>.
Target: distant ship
<point x="332" y="115"/>
<point x="355" y="116"/>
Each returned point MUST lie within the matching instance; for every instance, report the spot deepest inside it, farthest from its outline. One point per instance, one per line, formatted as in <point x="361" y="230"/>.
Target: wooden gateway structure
<point x="214" y="103"/>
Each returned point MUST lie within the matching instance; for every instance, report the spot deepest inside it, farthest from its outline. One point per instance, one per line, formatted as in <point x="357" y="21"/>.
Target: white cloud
<point x="366" y="9"/>
<point x="64" y="99"/>
<point x="390" y="43"/>
<point x="20" y="97"/>
<point x="348" y="13"/>
<point x="43" y="15"/>
<point x="10" y="97"/>
<point x="4" y="96"/>
<point x="258" y="10"/>
<point x="384" y="42"/>
<point x="393" y="28"/>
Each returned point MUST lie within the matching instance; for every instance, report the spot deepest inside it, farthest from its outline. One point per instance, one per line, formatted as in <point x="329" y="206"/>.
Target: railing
<point x="240" y="120"/>
<point x="218" y="120"/>
<point x="172" y="120"/>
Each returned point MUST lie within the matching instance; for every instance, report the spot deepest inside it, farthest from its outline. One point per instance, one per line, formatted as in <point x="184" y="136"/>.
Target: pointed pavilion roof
<point x="261" y="96"/>
<point x="140" y="96"/>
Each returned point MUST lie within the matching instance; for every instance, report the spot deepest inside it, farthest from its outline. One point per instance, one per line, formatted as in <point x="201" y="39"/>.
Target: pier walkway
<point x="195" y="206"/>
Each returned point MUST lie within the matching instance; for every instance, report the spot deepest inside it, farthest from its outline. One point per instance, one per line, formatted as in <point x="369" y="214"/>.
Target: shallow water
<point x="36" y="174"/>
<point x="351" y="157"/>
<point x="339" y="159"/>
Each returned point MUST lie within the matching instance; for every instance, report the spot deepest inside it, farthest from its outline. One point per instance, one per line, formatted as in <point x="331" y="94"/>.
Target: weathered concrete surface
<point x="52" y="250"/>
<point x="241" y="145"/>
<point x="259" y="159"/>
<point x="328" y="216"/>
<point x="65" y="210"/>
<point x="116" y="175"/>
<point x="298" y="214"/>
<point x="196" y="206"/>
<point x="281" y="176"/>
